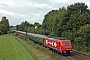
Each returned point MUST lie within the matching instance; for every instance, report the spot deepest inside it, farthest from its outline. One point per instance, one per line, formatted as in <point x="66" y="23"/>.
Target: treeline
<point x="4" y="25"/>
<point x="28" y="27"/>
<point x="72" y="22"/>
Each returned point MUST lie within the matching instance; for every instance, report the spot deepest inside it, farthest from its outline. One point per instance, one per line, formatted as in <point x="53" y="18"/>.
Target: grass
<point x="11" y="49"/>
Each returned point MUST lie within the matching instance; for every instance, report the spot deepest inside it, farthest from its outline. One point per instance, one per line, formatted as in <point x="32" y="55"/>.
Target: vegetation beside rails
<point x="38" y="51"/>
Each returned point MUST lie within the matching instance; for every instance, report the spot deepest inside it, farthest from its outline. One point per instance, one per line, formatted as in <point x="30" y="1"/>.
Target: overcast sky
<point x="32" y="11"/>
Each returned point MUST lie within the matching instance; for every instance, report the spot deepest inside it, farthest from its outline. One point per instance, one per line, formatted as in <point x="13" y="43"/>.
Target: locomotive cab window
<point x="66" y="43"/>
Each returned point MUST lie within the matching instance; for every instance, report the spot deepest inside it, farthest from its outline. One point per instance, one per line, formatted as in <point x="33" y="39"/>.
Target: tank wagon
<point x="61" y="45"/>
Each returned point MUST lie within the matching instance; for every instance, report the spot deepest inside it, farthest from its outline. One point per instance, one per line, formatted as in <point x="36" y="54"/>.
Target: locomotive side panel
<point x="49" y="42"/>
<point x="63" y="46"/>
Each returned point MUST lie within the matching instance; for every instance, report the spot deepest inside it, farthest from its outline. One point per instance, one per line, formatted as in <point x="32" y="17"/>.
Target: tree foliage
<point x="27" y="27"/>
<point x="2" y="29"/>
<point x="4" y="25"/>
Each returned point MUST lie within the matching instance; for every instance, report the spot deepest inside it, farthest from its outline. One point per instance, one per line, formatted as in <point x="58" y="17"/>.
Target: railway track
<point x="75" y="56"/>
<point x="78" y="56"/>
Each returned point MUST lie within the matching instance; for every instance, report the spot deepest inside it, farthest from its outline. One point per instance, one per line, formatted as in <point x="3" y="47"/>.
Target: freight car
<point x="61" y="45"/>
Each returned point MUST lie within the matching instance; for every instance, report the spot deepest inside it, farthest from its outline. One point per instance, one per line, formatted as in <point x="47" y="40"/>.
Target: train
<point x="61" y="45"/>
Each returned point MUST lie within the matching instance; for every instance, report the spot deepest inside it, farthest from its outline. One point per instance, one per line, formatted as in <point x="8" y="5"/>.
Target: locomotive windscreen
<point x="66" y="43"/>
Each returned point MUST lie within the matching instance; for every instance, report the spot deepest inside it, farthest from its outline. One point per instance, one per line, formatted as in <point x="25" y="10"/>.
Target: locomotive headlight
<point x="64" y="51"/>
<point x="71" y="51"/>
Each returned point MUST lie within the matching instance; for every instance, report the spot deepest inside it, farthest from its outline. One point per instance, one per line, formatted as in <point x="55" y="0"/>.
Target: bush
<point x="1" y="33"/>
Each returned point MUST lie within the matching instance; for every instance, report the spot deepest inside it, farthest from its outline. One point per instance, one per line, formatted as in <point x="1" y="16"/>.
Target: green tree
<point x="5" y="22"/>
<point x="17" y="27"/>
<point x="54" y="21"/>
<point x="2" y="28"/>
<point x="26" y="26"/>
<point x="84" y="31"/>
<point x="37" y="25"/>
<point x="77" y="8"/>
<point x="76" y="21"/>
<point x="23" y="26"/>
<point x="83" y="39"/>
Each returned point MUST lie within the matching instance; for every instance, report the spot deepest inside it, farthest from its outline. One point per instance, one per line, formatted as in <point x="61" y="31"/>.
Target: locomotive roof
<point x="56" y="38"/>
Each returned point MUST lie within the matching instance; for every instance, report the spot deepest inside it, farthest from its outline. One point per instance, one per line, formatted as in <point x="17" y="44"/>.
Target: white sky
<point x="32" y="11"/>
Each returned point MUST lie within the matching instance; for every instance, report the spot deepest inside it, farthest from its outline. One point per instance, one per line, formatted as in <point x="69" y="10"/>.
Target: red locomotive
<point x="59" y="44"/>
